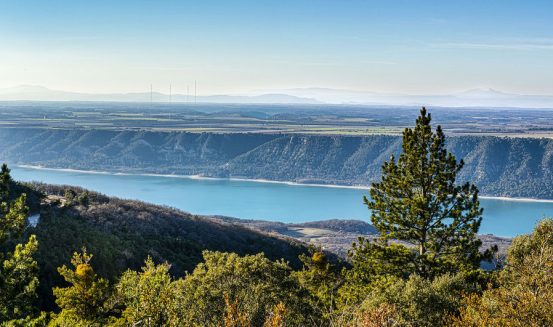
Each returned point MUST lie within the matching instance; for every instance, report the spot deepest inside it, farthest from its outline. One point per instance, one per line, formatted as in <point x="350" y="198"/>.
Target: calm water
<point x="269" y="201"/>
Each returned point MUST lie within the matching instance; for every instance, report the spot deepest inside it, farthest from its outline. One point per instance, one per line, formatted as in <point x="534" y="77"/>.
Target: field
<point x="289" y="119"/>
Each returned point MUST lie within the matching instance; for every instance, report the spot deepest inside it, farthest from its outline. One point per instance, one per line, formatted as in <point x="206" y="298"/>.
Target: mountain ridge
<point x="40" y="93"/>
<point x="479" y="97"/>
<point x="509" y="167"/>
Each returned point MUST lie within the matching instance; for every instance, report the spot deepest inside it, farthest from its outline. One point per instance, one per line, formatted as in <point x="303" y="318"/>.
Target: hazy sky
<point x="236" y="46"/>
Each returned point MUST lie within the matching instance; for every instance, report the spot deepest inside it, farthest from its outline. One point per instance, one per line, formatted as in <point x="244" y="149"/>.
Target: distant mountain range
<point x="40" y="93"/>
<point x="469" y="98"/>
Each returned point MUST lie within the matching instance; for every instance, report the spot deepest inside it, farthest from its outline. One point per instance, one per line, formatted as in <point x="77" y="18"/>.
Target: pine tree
<point x="419" y="202"/>
<point x="5" y="181"/>
<point x="87" y="301"/>
<point x="18" y="269"/>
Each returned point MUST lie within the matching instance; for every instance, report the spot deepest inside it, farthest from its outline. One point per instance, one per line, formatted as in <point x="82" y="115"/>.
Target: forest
<point x="157" y="267"/>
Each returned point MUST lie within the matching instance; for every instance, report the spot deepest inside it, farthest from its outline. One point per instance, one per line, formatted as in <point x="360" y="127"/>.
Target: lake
<point x="269" y="201"/>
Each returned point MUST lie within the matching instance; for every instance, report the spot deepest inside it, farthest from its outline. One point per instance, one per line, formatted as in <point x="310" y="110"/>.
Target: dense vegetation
<point x="517" y="167"/>
<point x="423" y="270"/>
<point x="122" y="233"/>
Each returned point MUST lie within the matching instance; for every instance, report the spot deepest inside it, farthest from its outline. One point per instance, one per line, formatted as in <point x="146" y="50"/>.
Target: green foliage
<point x="525" y="293"/>
<point x="13" y="216"/>
<point x="256" y="283"/>
<point x="123" y="233"/>
<point x="322" y="279"/>
<point x="419" y="202"/>
<point x="418" y="301"/>
<point x="370" y="261"/>
<point x="86" y="302"/>
<point x="83" y="199"/>
<point x="30" y="321"/>
<point x="75" y="197"/>
<point x="148" y="297"/>
<point x="18" y="269"/>
<point x="69" y="195"/>
<point x="19" y="282"/>
<point x="5" y="183"/>
<point x="427" y="228"/>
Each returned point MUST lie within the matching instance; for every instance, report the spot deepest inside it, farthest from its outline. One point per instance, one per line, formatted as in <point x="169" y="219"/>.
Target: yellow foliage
<point x="84" y="271"/>
<point x="234" y="317"/>
<point x="277" y="317"/>
<point x="319" y="258"/>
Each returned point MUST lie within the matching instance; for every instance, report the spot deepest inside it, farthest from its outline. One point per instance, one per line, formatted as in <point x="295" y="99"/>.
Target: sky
<point x="415" y="47"/>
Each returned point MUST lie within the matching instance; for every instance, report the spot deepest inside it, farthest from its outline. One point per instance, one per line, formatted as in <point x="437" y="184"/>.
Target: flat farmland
<point x="289" y="119"/>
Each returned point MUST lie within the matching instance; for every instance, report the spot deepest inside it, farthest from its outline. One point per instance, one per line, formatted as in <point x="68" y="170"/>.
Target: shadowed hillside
<point x="516" y="167"/>
<point x="123" y="233"/>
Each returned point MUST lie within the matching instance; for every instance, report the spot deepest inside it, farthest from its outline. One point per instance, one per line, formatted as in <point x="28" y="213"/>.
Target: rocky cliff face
<point x="499" y="166"/>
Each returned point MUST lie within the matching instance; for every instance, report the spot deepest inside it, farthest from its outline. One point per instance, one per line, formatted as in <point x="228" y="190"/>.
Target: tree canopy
<point x="18" y="269"/>
<point x="525" y="293"/>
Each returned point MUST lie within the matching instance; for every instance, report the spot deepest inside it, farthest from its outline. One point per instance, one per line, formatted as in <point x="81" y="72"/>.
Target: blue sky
<point x="416" y="47"/>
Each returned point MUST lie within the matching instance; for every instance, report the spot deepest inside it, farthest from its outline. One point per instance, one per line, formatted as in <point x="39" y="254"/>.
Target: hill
<point x="499" y="166"/>
<point x="123" y="233"/>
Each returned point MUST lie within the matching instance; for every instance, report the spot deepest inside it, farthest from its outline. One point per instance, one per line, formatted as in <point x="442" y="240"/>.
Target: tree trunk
<point x="422" y="250"/>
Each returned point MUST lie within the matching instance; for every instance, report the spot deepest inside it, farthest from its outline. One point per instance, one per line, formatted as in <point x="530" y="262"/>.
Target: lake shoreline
<point x="252" y="180"/>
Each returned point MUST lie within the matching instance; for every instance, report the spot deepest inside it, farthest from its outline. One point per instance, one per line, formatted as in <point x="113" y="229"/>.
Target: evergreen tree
<point x="148" y="297"/>
<point x="5" y="181"/>
<point x="86" y="302"/>
<point x="322" y="279"/>
<point x="19" y="282"/>
<point x="18" y="269"/>
<point x="419" y="202"/>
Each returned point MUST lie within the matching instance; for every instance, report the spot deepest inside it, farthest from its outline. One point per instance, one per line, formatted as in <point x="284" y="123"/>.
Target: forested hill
<point x="123" y="233"/>
<point x="515" y="167"/>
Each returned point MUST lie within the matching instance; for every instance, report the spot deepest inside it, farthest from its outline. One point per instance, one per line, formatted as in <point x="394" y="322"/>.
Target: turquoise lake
<point x="269" y="201"/>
